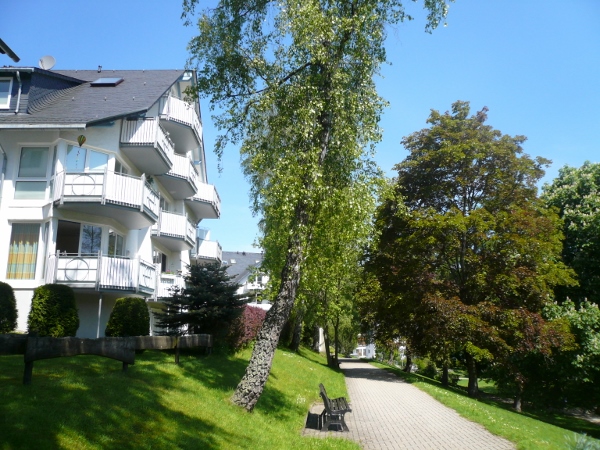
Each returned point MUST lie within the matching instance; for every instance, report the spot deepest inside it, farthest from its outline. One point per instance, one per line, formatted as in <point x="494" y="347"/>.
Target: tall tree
<point x="295" y="82"/>
<point x="576" y="195"/>
<point x="464" y="239"/>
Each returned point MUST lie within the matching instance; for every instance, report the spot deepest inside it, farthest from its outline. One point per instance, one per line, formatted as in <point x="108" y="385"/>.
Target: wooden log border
<point x="118" y="348"/>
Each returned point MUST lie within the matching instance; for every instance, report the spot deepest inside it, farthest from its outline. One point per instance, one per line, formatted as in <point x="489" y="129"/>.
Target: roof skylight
<point x="106" y="82"/>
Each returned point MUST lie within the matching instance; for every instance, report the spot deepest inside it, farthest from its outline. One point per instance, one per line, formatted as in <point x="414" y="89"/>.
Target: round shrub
<point x="129" y="317"/>
<point x="244" y="328"/>
<point x="53" y="311"/>
<point x="8" y="308"/>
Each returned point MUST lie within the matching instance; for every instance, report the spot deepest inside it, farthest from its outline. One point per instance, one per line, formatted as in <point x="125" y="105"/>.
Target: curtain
<point x="22" y="256"/>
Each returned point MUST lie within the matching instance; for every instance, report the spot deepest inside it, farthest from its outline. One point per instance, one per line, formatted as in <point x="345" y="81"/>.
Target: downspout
<point x="19" y="94"/>
<point x="3" y="162"/>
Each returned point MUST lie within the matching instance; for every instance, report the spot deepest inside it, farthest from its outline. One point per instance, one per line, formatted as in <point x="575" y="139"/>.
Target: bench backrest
<point x="326" y="401"/>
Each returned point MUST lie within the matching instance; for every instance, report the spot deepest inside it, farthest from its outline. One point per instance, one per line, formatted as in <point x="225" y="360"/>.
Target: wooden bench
<point x="334" y="411"/>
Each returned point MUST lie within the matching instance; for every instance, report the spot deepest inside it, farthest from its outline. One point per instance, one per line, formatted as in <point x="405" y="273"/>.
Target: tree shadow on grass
<point x="88" y="402"/>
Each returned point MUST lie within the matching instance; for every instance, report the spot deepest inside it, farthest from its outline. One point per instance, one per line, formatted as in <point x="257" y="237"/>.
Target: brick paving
<point x="388" y="413"/>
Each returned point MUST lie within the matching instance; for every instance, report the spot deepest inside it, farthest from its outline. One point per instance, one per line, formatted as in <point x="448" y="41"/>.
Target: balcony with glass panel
<point x="182" y="180"/>
<point x="174" y="231"/>
<point x="181" y="120"/>
<point x="147" y="145"/>
<point x="86" y="185"/>
<point x="97" y="272"/>
<point x="206" y="203"/>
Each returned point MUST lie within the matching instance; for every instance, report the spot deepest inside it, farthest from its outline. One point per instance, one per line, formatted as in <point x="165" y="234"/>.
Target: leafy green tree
<point x="574" y="379"/>
<point x="129" y="317"/>
<point x="53" y="311"/>
<point x="465" y="240"/>
<point x="295" y="82"/>
<point x="208" y="304"/>
<point x="8" y="308"/>
<point x="576" y="195"/>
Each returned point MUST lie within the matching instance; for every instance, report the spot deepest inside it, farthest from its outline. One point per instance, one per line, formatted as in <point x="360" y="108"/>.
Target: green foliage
<point x="53" y="311"/>
<point x="576" y="371"/>
<point x="8" y="308"/>
<point x="129" y="317"/>
<point x="576" y="196"/>
<point x="295" y="82"/>
<point x="208" y="304"/>
<point x="467" y="254"/>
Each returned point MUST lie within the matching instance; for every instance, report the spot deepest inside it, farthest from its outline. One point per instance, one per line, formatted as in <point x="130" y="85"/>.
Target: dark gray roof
<point x="244" y="262"/>
<point x="76" y="102"/>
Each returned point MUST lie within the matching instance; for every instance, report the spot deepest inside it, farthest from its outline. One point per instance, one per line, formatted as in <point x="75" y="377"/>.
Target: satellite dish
<point x="47" y="62"/>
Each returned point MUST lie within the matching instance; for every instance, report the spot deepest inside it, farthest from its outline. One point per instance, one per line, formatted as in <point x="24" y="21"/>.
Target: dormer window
<point x="5" y="91"/>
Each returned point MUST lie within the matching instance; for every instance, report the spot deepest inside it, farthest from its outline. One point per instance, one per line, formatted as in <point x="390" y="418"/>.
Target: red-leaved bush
<point x="246" y="326"/>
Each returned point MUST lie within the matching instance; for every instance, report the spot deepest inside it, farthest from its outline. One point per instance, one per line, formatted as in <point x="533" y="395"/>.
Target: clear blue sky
<point x="535" y="64"/>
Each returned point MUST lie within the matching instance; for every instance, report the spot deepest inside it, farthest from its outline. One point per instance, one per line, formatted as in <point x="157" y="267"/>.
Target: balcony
<point x="166" y="283"/>
<point x="182" y="180"/>
<point x="208" y="251"/>
<point x="127" y="199"/>
<point x="147" y="145"/>
<point x="206" y="203"/>
<point x="174" y="231"/>
<point x="102" y="273"/>
<point x="181" y="120"/>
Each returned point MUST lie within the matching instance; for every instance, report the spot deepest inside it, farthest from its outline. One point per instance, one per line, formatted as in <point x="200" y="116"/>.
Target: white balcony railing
<point x="106" y="187"/>
<point x="210" y="250"/>
<point x="175" y="225"/>
<point x="182" y="112"/>
<point x="184" y="168"/>
<point x="148" y="133"/>
<point x="208" y="193"/>
<point x="167" y="282"/>
<point x="102" y="272"/>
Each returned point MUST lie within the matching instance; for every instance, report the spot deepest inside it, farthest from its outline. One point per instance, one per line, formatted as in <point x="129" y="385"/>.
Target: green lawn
<point x="86" y="402"/>
<point x="529" y="431"/>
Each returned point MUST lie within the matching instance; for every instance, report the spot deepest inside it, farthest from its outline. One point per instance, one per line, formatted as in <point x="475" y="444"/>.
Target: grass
<point x="529" y="431"/>
<point x="86" y="402"/>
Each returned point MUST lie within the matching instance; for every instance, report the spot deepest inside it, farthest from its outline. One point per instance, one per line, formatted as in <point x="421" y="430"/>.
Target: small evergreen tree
<point x="53" y="311"/>
<point x="129" y="317"/>
<point x="208" y="303"/>
<point x="8" y="308"/>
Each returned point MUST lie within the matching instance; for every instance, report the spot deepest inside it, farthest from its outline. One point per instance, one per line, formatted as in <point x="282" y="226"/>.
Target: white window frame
<point x="43" y="179"/>
<point x="7" y="105"/>
<point x="86" y="162"/>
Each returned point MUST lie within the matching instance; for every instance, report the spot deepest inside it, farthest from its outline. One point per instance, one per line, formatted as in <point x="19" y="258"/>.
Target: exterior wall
<point x="139" y="243"/>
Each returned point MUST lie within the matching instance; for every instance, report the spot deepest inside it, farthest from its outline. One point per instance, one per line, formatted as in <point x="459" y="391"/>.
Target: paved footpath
<point x="389" y="413"/>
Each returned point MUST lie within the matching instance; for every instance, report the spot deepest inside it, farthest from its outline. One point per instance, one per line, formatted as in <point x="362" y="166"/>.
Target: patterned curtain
<point x="22" y="256"/>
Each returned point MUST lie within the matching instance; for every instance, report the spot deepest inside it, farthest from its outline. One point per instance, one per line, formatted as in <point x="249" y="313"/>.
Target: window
<point x="91" y="238"/>
<point x="80" y="159"/>
<point x="120" y="168"/>
<point x="5" y="91"/>
<point x="160" y="258"/>
<point x="107" y="82"/>
<point x="22" y="253"/>
<point x="115" y="243"/>
<point x="33" y="168"/>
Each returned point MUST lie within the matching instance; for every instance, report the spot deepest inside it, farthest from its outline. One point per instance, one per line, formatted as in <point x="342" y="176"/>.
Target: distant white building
<point x="245" y="269"/>
<point x="102" y="185"/>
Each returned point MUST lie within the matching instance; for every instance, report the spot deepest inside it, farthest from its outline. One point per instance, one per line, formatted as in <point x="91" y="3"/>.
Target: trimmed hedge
<point x="129" y="317"/>
<point x="245" y="328"/>
<point x="53" y="311"/>
<point x="8" y="308"/>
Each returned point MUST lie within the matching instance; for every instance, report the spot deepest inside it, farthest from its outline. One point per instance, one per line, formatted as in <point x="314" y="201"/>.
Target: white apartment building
<point x="103" y="184"/>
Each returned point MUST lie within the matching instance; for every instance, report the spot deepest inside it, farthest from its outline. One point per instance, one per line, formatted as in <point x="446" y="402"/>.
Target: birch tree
<point x="295" y="82"/>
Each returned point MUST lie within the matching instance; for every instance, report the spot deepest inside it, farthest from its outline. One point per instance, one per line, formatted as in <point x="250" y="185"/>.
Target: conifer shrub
<point x="129" y="317"/>
<point x="245" y="328"/>
<point x="8" y="308"/>
<point x="53" y="311"/>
